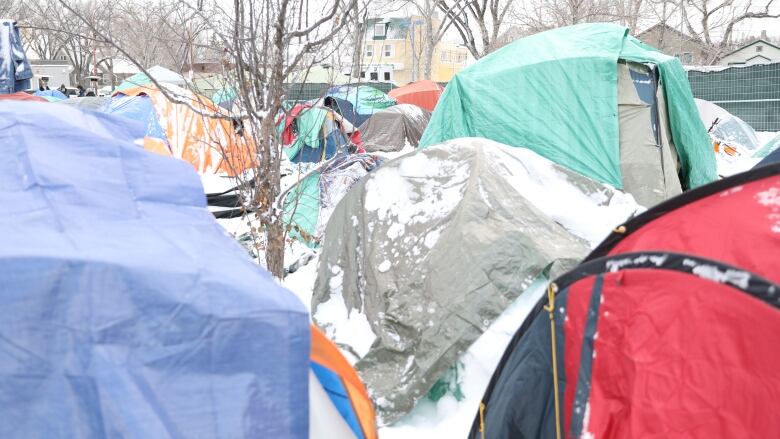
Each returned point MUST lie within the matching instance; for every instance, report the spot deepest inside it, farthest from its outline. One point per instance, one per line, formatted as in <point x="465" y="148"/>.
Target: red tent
<point x="424" y="94"/>
<point x="666" y="330"/>
<point x="22" y="96"/>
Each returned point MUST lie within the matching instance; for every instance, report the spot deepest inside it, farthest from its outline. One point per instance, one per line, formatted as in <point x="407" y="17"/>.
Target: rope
<point x="482" y="418"/>
<point x="551" y="310"/>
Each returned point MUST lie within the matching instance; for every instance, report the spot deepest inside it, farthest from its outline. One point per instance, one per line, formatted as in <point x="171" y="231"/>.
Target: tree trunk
<point x="357" y="36"/>
<point x="428" y="49"/>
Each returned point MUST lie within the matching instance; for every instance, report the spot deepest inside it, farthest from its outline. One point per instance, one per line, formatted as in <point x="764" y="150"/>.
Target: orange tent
<point x="342" y="382"/>
<point x="197" y="131"/>
<point x="424" y="94"/>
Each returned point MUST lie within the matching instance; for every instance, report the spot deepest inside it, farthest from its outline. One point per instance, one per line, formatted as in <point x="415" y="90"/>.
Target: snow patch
<point x="384" y="266"/>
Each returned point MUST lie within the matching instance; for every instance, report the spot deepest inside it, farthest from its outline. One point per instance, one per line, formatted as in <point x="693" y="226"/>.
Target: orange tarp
<point x="424" y="94"/>
<point x="198" y="134"/>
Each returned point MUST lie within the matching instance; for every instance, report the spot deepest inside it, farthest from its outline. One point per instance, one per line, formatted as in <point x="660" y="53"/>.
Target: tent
<point x="771" y="146"/>
<point x="591" y="98"/>
<point x="362" y="101"/>
<point x="311" y="134"/>
<point x="15" y="71"/>
<point x="339" y="404"/>
<point x="51" y="95"/>
<point x="773" y="157"/>
<point x="425" y="94"/>
<point x="21" y="96"/>
<point x="451" y="234"/>
<point x="127" y="311"/>
<point x="195" y="130"/>
<point x="393" y="128"/>
<point x="661" y="332"/>
<point x="729" y="133"/>
<point x="310" y="202"/>
<point x="160" y="74"/>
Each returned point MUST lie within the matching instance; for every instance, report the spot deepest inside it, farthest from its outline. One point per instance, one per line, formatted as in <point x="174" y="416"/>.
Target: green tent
<point x="559" y="94"/>
<point x="768" y="148"/>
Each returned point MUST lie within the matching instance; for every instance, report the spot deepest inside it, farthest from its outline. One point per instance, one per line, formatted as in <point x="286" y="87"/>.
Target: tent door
<point x="643" y="150"/>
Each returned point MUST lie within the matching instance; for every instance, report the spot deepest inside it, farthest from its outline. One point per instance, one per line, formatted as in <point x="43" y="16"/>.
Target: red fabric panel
<point x="680" y="356"/>
<point x="740" y="227"/>
<point x="21" y="96"/>
<point x="573" y="330"/>
<point x="424" y="94"/>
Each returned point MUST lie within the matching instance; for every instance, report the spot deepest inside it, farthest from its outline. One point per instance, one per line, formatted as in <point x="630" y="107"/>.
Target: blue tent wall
<point x="126" y="310"/>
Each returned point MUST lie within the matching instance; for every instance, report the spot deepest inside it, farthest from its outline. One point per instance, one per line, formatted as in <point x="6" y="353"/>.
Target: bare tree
<point x="477" y="21"/>
<point x="432" y="31"/>
<point x="707" y="19"/>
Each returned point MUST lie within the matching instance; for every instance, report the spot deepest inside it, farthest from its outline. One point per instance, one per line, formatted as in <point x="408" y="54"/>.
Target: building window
<point x="380" y="30"/>
<point x="446" y="56"/>
<point x="461" y="58"/>
<point x="369" y="50"/>
<point x="374" y="76"/>
<point x="388" y="50"/>
<point x="759" y="48"/>
<point x="387" y="76"/>
<point x="362" y="74"/>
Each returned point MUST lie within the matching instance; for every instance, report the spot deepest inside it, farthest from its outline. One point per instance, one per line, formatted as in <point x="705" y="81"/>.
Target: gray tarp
<point x="393" y="128"/>
<point x="432" y="247"/>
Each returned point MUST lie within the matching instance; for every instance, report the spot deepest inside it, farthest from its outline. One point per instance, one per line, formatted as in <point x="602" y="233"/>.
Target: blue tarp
<point x="126" y="310"/>
<point x="138" y="108"/>
<point x="51" y="93"/>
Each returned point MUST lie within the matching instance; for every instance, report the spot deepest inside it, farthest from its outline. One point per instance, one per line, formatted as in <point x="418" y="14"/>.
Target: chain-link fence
<point x="307" y="91"/>
<point x="750" y="93"/>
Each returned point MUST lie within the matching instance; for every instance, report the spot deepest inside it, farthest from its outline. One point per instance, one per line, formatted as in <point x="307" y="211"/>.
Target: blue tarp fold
<point x="126" y="310"/>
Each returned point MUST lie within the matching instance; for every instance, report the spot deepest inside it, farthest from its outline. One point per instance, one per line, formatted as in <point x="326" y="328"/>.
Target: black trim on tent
<point x="716" y="271"/>
<point x="230" y="213"/>
<point x="636" y="223"/>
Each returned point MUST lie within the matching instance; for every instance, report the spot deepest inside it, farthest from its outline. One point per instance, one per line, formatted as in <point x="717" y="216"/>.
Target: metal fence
<point x="308" y="91"/>
<point x="750" y="93"/>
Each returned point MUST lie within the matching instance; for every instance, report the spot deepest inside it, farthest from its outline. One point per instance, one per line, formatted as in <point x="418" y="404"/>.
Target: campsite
<point x="251" y="228"/>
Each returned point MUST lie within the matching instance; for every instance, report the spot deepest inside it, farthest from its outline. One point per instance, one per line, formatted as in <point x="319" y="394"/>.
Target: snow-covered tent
<point x="423" y="254"/>
<point x="310" y="202"/>
<point x="665" y="330"/>
<point x="160" y="74"/>
<point x="393" y="128"/>
<point x="727" y="130"/>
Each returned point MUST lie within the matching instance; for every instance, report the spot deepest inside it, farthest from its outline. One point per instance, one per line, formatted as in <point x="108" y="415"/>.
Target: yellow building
<point x="393" y="52"/>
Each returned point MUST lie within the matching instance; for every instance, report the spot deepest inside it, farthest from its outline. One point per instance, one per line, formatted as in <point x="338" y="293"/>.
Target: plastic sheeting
<point x="393" y="128"/>
<point x="198" y="131"/>
<point x="426" y="252"/>
<point x="310" y="203"/>
<point x="127" y="311"/>
<point x="556" y="93"/>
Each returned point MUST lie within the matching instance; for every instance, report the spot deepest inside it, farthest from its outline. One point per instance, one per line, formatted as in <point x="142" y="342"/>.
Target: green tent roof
<point x="556" y="93"/>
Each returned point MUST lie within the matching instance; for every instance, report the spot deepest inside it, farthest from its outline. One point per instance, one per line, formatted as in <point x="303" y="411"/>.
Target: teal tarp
<point x="556" y="93"/>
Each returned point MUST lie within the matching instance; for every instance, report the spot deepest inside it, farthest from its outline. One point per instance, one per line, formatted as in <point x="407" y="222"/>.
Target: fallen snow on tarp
<point x="423" y="255"/>
<point x="448" y="417"/>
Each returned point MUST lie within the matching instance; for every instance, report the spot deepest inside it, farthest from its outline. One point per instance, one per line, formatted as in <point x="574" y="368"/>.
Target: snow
<point x="448" y="417"/>
<point x="345" y="326"/>
<point x="588" y="216"/>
